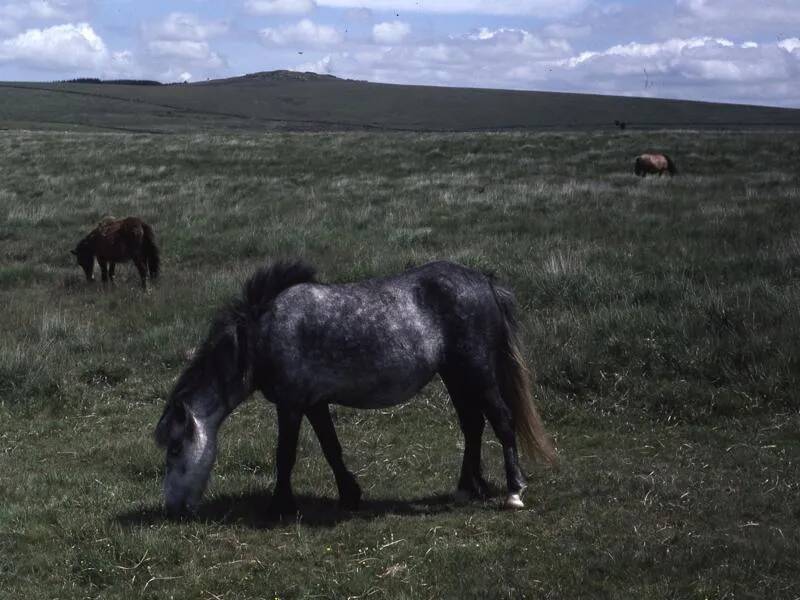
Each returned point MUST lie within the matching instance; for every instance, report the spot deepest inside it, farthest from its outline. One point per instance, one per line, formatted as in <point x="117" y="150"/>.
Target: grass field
<point x="270" y="102"/>
<point x="660" y="315"/>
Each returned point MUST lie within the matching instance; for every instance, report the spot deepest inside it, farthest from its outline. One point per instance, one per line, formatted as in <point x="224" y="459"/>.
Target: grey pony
<point x="369" y="344"/>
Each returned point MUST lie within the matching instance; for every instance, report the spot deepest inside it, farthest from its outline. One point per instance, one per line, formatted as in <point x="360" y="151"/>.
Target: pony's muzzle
<point x="178" y="511"/>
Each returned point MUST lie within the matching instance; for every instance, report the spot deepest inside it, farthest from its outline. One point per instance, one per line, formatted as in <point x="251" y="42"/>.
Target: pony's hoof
<point x="349" y="503"/>
<point x="514" y="502"/>
<point x="350" y="500"/>
<point x="349" y="493"/>
<point x="462" y="496"/>
<point x="283" y="516"/>
<point x="280" y="509"/>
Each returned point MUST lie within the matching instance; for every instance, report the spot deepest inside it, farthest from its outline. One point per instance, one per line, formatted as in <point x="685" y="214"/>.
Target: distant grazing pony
<point x="368" y="344"/>
<point x="119" y="240"/>
<point x="651" y="164"/>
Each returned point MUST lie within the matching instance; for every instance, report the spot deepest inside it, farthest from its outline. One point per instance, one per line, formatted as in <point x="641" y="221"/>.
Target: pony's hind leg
<point x="500" y="417"/>
<point x="471" y="483"/>
<point x="349" y="491"/>
<point x="141" y="266"/>
<point x="111" y="268"/>
<point x="282" y="503"/>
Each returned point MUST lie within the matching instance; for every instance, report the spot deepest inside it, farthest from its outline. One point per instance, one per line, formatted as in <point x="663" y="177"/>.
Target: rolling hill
<point x="283" y="100"/>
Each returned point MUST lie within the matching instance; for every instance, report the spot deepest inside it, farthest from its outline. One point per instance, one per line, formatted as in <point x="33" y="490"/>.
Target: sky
<point x="745" y="51"/>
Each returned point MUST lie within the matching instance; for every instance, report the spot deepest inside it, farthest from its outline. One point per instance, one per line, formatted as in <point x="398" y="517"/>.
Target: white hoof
<point x="462" y="496"/>
<point x="514" y="502"/>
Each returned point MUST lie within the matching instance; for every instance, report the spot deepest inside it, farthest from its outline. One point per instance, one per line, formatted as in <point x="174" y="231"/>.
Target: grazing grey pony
<point x="369" y="344"/>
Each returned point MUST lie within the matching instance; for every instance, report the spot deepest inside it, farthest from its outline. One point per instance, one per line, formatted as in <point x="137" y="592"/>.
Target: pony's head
<point x="218" y="379"/>
<point x="84" y="254"/>
<point x="190" y="453"/>
<point x="211" y="386"/>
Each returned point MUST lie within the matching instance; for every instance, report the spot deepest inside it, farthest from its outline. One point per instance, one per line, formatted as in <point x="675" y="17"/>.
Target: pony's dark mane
<point x="85" y="246"/>
<point x="226" y="349"/>
<point x="224" y="357"/>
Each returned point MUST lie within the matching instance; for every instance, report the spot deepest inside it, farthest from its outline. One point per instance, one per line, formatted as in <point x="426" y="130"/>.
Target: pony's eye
<point x="174" y="448"/>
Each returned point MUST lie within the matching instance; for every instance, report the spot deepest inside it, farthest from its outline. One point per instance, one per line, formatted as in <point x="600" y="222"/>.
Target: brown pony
<point x="119" y="240"/>
<point x="654" y="163"/>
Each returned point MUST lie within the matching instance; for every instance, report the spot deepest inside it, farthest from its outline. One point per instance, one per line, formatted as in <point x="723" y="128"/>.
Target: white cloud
<point x="562" y="31"/>
<point x="539" y="8"/>
<point x="389" y="33"/>
<point x="178" y="45"/>
<point x="187" y="50"/>
<point x="670" y="48"/>
<point x="517" y="44"/>
<point x="704" y="68"/>
<point x="13" y="15"/>
<point x="42" y="9"/>
<point x="69" y="46"/>
<point x="322" y="66"/>
<point x="279" y="7"/>
<point x="790" y="44"/>
<point x="701" y="68"/>
<point x="483" y="58"/>
<point x="733" y="18"/>
<point x="306" y="33"/>
<point x="185" y="26"/>
<point x="778" y="11"/>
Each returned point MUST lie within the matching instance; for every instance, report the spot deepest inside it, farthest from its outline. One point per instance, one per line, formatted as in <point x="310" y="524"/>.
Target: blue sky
<point x="716" y="50"/>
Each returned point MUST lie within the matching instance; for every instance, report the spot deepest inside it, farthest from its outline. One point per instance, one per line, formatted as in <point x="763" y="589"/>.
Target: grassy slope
<point x="258" y="105"/>
<point x="660" y="315"/>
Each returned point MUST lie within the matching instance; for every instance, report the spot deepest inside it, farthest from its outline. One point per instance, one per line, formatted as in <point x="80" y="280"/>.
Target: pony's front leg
<point x="103" y="270"/>
<point x="349" y="490"/>
<point x="111" y="268"/>
<point x="282" y="503"/>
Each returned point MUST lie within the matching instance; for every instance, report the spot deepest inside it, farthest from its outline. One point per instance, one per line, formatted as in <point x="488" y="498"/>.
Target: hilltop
<point x="271" y="76"/>
<point x="287" y="100"/>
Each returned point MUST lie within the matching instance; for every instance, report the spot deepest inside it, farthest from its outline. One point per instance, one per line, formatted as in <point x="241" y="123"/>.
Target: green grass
<point x="660" y="317"/>
<point x="264" y="104"/>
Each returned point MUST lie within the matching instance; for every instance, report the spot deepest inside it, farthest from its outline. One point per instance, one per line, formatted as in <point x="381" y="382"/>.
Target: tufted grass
<point x="661" y="319"/>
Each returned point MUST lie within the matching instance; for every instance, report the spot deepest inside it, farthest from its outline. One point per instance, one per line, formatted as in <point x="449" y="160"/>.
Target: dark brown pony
<point x="652" y="164"/>
<point x="119" y="240"/>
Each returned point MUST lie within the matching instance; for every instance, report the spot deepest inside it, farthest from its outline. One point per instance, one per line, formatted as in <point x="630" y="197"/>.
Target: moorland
<point x="660" y="317"/>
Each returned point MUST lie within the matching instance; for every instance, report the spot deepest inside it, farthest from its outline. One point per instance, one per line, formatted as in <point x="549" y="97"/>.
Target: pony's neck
<point x="215" y="404"/>
<point x="87" y="243"/>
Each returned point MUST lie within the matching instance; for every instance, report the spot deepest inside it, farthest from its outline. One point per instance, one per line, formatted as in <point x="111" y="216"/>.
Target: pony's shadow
<point x="250" y="510"/>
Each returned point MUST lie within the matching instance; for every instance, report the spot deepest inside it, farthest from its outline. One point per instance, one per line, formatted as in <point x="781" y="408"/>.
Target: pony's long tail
<point x="515" y="386"/>
<point x="673" y="170"/>
<point x="151" y="251"/>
